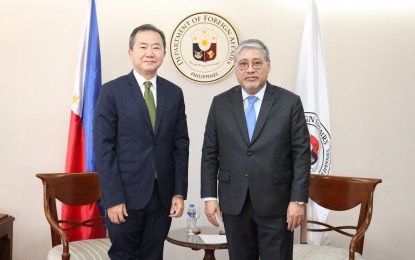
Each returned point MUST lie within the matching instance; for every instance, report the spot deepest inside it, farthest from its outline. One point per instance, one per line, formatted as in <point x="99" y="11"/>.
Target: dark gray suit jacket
<point x="275" y="167"/>
<point x="128" y="152"/>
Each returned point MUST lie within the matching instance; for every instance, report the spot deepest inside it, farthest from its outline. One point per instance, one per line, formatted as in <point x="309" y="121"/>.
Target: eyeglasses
<point x="256" y="65"/>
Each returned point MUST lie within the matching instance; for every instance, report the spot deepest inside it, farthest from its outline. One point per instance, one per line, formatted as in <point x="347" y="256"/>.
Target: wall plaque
<point x="202" y="47"/>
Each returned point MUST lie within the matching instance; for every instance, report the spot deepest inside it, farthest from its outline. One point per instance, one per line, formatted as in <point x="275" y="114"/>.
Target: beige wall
<point x="371" y="74"/>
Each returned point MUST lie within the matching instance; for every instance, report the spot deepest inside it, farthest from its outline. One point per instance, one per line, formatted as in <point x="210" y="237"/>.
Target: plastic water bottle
<point x="191" y="219"/>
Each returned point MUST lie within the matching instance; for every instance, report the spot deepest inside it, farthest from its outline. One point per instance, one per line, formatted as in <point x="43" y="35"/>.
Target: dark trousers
<point x="250" y="236"/>
<point x="142" y="235"/>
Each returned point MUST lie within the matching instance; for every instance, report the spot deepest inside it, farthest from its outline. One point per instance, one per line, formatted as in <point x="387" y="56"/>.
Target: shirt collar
<point x="140" y="79"/>
<point x="259" y="95"/>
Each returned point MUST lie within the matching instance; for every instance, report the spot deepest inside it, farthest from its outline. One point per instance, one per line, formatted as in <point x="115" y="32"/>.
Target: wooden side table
<point x="179" y="237"/>
<point x="6" y="237"/>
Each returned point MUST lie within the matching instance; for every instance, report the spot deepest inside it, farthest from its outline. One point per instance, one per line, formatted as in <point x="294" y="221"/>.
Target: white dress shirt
<point x="140" y="79"/>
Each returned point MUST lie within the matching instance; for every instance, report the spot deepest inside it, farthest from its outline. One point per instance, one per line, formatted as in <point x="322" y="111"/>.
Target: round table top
<point x="180" y="237"/>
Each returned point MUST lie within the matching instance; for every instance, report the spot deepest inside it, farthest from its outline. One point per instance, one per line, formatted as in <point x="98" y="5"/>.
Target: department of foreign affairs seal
<point x="319" y="145"/>
<point x="202" y="47"/>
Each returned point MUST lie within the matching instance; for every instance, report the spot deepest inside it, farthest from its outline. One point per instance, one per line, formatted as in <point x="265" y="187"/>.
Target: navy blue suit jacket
<point x="128" y="152"/>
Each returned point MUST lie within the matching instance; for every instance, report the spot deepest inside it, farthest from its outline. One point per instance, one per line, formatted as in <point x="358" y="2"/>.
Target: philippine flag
<point x="80" y="155"/>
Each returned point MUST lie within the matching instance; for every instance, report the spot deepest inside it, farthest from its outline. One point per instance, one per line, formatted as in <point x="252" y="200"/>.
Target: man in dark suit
<point x="256" y="149"/>
<point x="142" y="151"/>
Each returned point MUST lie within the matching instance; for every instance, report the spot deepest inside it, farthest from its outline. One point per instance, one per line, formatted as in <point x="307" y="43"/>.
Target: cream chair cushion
<point x="91" y="249"/>
<point x="315" y="252"/>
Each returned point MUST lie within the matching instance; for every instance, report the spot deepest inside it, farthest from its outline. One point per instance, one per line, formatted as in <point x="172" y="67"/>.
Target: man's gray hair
<point x="251" y="43"/>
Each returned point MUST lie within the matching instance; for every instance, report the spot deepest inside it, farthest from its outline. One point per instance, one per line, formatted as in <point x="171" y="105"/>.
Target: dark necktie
<point x="251" y="116"/>
<point x="151" y="106"/>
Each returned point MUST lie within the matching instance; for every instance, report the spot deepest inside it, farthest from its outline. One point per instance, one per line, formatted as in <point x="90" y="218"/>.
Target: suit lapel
<point x="238" y="107"/>
<point x="269" y="97"/>
<point x="139" y="99"/>
<point x="161" y="94"/>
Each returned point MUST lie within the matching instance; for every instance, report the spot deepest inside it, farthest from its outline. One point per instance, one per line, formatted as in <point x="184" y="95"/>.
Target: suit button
<point x="246" y="174"/>
<point x="249" y="153"/>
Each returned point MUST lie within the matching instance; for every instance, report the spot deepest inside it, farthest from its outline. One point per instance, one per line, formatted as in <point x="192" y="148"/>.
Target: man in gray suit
<point x="256" y="149"/>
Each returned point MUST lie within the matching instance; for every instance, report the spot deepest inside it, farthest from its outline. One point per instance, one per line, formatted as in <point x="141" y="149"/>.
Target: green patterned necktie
<point x="148" y="97"/>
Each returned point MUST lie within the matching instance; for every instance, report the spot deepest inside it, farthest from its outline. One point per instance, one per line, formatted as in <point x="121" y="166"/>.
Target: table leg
<point x="5" y="248"/>
<point x="209" y="254"/>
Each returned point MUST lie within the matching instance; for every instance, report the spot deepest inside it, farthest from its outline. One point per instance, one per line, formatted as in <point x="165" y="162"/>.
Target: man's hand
<point x="116" y="213"/>
<point x="212" y="210"/>
<point x="177" y="207"/>
<point x="295" y="215"/>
